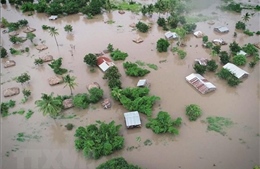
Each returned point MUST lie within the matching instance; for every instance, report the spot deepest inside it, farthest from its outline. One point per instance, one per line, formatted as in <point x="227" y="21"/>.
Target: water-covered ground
<point x="193" y="148"/>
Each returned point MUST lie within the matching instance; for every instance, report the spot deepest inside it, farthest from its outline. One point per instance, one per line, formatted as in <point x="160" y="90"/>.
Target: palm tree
<point x="70" y="81"/>
<point x="49" y="105"/>
<point x="53" y="32"/>
<point x="246" y="17"/>
<point x="68" y="28"/>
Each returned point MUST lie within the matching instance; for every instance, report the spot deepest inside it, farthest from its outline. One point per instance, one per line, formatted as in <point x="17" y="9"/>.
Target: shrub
<point x="250" y="49"/>
<point x="201" y="69"/>
<point x="56" y="66"/>
<point x="3" y="52"/>
<point x="205" y="39"/>
<point x="239" y="60"/>
<point x="161" y="22"/>
<point x="182" y="54"/>
<point x="81" y="100"/>
<point x="142" y="27"/>
<point x="234" y="47"/>
<point x="209" y="45"/>
<point x="23" y="78"/>
<point x="225" y="74"/>
<point x="193" y="111"/>
<point x="162" y="45"/>
<point x="189" y="27"/>
<point x="110" y="47"/>
<point x="211" y="65"/>
<point x="118" y="55"/>
<point x="90" y="59"/>
<point x="95" y="95"/>
<point x="117" y="163"/>
<point x="240" y="25"/>
<point x="132" y="69"/>
<point x="248" y="32"/>
<point x="224" y="58"/>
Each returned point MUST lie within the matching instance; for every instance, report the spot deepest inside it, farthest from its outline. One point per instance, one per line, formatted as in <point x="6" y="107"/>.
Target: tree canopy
<point x="132" y="69"/>
<point x="117" y="163"/>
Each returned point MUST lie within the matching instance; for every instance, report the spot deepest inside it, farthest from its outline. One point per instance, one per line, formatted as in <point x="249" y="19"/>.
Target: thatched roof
<point x="13" y="33"/>
<point x="55" y="80"/>
<point x="93" y="85"/>
<point x="67" y="103"/>
<point x="41" y="47"/>
<point x="28" y="29"/>
<point x="11" y="91"/>
<point x="132" y="25"/>
<point x="106" y="103"/>
<point x="9" y="63"/>
<point x="47" y="58"/>
<point x="138" y="40"/>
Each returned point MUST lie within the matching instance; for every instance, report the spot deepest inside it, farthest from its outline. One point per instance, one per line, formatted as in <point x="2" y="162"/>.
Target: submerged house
<point x="200" y="83"/>
<point x="171" y="35"/>
<point x="239" y="73"/>
<point x="202" y="61"/>
<point x="104" y="63"/>
<point x="221" y="29"/>
<point x="142" y="83"/>
<point x="198" y="34"/>
<point x="132" y="119"/>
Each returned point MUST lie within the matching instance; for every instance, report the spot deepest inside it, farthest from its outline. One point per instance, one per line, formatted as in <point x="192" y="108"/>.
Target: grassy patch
<point x="22" y="137"/>
<point x="218" y="124"/>
<point x="152" y="66"/>
<point x="68" y="117"/>
<point x="135" y="7"/>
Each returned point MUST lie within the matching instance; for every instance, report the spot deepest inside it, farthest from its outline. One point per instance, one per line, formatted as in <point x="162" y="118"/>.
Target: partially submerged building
<point x="142" y="83"/>
<point x="200" y="83"/>
<point x="132" y="119"/>
<point x="171" y="35"/>
<point x="202" y="61"/>
<point x="104" y="63"/>
<point x="198" y="34"/>
<point x="238" y="72"/>
<point x="221" y="29"/>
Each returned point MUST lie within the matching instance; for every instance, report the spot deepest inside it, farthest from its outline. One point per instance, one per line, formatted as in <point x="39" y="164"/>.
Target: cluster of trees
<point x="91" y="59"/>
<point x="25" y="77"/>
<point x="193" y="112"/>
<point x="231" y="79"/>
<point x="201" y="69"/>
<point x="97" y="140"/>
<point x="135" y="99"/>
<point x="56" y="66"/>
<point x="113" y="75"/>
<point x="14" y="26"/>
<point x="142" y="27"/>
<point x="117" y="163"/>
<point x="4" y="107"/>
<point x="16" y="39"/>
<point x="162" y="45"/>
<point x="118" y="55"/>
<point x="132" y="69"/>
<point x="26" y="95"/>
<point x="163" y="123"/>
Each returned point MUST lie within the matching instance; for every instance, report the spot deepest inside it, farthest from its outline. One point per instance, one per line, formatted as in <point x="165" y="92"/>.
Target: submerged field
<point x="41" y="142"/>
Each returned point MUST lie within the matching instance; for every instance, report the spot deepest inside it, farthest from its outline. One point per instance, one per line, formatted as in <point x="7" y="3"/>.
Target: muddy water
<point x="193" y="148"/>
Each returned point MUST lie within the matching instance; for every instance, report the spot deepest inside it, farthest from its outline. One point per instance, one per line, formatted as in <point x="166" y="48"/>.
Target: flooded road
<point x="193" y="148"/>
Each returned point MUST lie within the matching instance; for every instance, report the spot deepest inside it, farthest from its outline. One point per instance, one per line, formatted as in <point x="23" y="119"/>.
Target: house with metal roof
<point x="171" y="35"/>
<point x="201" y="61"/>
<point x="198" y="34"/>
<point x="142" y="83"/>
<point x="132" y="119"/>
<point x="104" y="63"/>
<point x="239" y="73"/>
<point x="200" y="83"/>
<point x="221" y="29"/>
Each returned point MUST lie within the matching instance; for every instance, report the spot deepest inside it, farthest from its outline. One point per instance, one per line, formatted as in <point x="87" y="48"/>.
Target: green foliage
<point x="236" y="7"/>
<point x="14" y="51"/>
<point x="225" y="74"/>
<point x="41" y="6"/>
<point x="16" y="39"/>
<point x="81" y="100"/>
<point x="189" y="27"/>
<point x="55" y="8"/>
<point x="250" y="49"/>
<point x="4" y="108"/>
<point x="201" y="69"/>
<point x="23" y="78"/>
<point x="256" y="167"/>
<point x="56" y="66"/>
<point x="97" y="140"/>
<point x="38" y="61"/>
<point x="118" y="55"/>
<point x="69" y="126"/>
<point x="3" y="1"/>
<point x="117" y="163"/>
<point x="132" y="69"/>
<point x="29" y="114"/>
<point x="135" y="99"/>
<point x="218" y="124"/>
<point x="133" y="7"/>
<point x="30" y="36"/>
<point x="161" y="21"/>
<point x="193" y="111"/>
<point x="45" y="27"/>
<point x="209" y="45"/>
<point x="257" y="33"/>
<point x="49" y="105"/>
<point x="26" y="95"/>
<point x="110" y="47"/>
<point x="162" y="45"/>
<point x="113" y="75"/>
<point x="68" y="28"/>
<point x="3" y="52"/>
<point x="240" y="25"/>
<point x="163" y="123"/>
<point x="248" y="32"/>
<point x="90" y="59"/>
<point x="27" y="7"/>
<point x="239" y="60"/>
<point x="70" y="82"/>
<point x="95" y="95"/>
<point x="254" y="61"/>
<point x="152" y="66"/>
<point x="205" y="39"/>
<point x="234" y="47"/>
<point x="142" y="27"/>
<point x="212" y="65"/>
<point x="216" y="49"/>
<point x="224" y="58"/>
<point x="181" y="53"/>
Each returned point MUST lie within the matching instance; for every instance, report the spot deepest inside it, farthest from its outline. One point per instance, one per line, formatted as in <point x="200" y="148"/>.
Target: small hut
<point x="93" y="85"/>
<point x="41" y="47"/>
<point x="11" y="91"/>
<point x="47" y="58"/>
<point x="67" y="103"/>
<point x="138" y="40"/>
<point x="9" y="63"/>
<point x="29" y="29"/>
<point x="132" y="119"/>
<point x="13" y="33"/>
<point x="142" y="83"/>
<point x="106" y="103"/>
<point x="198" y="34"/>
<point x="55" y="80"/>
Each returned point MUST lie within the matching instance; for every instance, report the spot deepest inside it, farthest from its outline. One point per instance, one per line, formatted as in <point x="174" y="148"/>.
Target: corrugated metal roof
<point x="239" y="73"/>
<point x="142" y="82"/>
<point x="221" y="29"/>
<point x="132" y="118"/>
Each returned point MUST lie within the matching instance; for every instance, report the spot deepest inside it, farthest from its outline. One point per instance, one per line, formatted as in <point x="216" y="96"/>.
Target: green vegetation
<point x="236" y="7"/>
<point x="68" y="28"/>
<point x="142" y="27"/>
<point x="56" y="66"/>
<point x="240" y="25"/>
<point x="134" y="7"/>
<point x="29" y="114"/>
<point x="15" y="52"/>
<point x="250" y="49"/>
<point x="110" y="47"/>
<point x="23" y="78"/>
<point x="225" y="74"/>
<point x="16" y="39"/>
<point x="163" y="123"/>
<point x="117" y="163"/>
<point x="95" y="95"/>
<point x="90" y="59"/>
<point x="97" y="140"/>
<point x="161" y="22"/>
<point x="5" y="107"/>
<point x="132" y="69"/>
<point x="256" y="167"/>
<point x="26" y="95"/>
<point x="212" y="65"/>
<point x="248" y="32"/>
<point x="22" y="137"/>
<point x="81" y="100"/>
<point x="69" y="126"/>
<point x="118" y="55"/>
<point x="162" y="45"/>
<point x="200" y="69"/>
<point x="38" y="62"/>
<point x="135" y="99"/>
<point x="224" y="57"/>
<point x="181" y="53"/>
<point x="218" y="124"/>
<point x="14" y="26"/>
<point x="3" y="52"/>
<point x="234" y="48"/>
<point x="239" y="60"/>
<point x="113" y="75"/>
<point x="54" y="32"/>
<point x="70" y="82"/>
<point x="193" y="111"/>
<point x="152" y="66"/>
<point x="205" y="39"/>
<point x="254" y="61"/>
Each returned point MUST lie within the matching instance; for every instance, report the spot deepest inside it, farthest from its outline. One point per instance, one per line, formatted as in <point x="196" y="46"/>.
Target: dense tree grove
<point x="224" y="57"/>
<point x="132" y="69"/>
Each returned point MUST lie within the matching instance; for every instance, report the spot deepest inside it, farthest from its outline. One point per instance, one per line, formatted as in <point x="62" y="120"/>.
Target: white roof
<point x="170" y="34"/>
<point x="132" y="118"/>
<point x="222" y="29"/>
<point x="198" y="34"/>
<point x="218" y="40"/>
<point x="53" y="17"/>
<point x="202" y="61"/>
<point x="200" y="83"/>
<point x="241" y="52"/>
<point x="104" y="66"/>
<point x="239" y="73"/>
<point x="141" y="82"/>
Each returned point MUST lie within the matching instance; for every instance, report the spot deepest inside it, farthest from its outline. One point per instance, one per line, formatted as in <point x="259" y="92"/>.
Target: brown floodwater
<point x="193" y="148"/>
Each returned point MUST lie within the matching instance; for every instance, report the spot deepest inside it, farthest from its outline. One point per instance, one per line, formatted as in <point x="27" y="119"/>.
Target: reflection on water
<point x="193" y="148"/>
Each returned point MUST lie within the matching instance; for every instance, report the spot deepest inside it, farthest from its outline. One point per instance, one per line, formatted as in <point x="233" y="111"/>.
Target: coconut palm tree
<point x="49" y="105"/>
<point x="70" y="81"/>
<point x="246" y="17"/>
<point x="53" y="32"/>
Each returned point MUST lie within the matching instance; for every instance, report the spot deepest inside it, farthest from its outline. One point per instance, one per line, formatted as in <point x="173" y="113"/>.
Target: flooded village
<point x="32" y="140"/>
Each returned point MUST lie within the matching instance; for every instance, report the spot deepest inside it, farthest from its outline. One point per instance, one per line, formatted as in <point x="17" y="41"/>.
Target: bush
<point x="162" y="45"/>
<point x="193" y="112"/>
<point x="239" y="60"/>
<point x="205" y="39"/>
<point x="81" y="100"/>
<point x="95" y="95"/>
<point x="211" y="65"/>
<point x="189" y="27"/>
<point x="224" y="58"/>
<point x="90" y="59"/>
<point x="56" y="66"/>
<point x="3" y="52"/>
<point x="182" y="54"/>
<point x="200" y="69"/>
<point x="248" y="32"/>
<point x="110" y="47"/>
<point x="234" y="47"/>
<point x="240" y="25"/>
<point x="118" y="55"/>
<point x="117" y="163"/>
<point x="163" y="123"/>
<point x="161" y="22"/>
<point x="132" y="69"/>
<point x="225" y="74"/>
<point x="142" y="27"/>
<point x="250" y="49"/>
